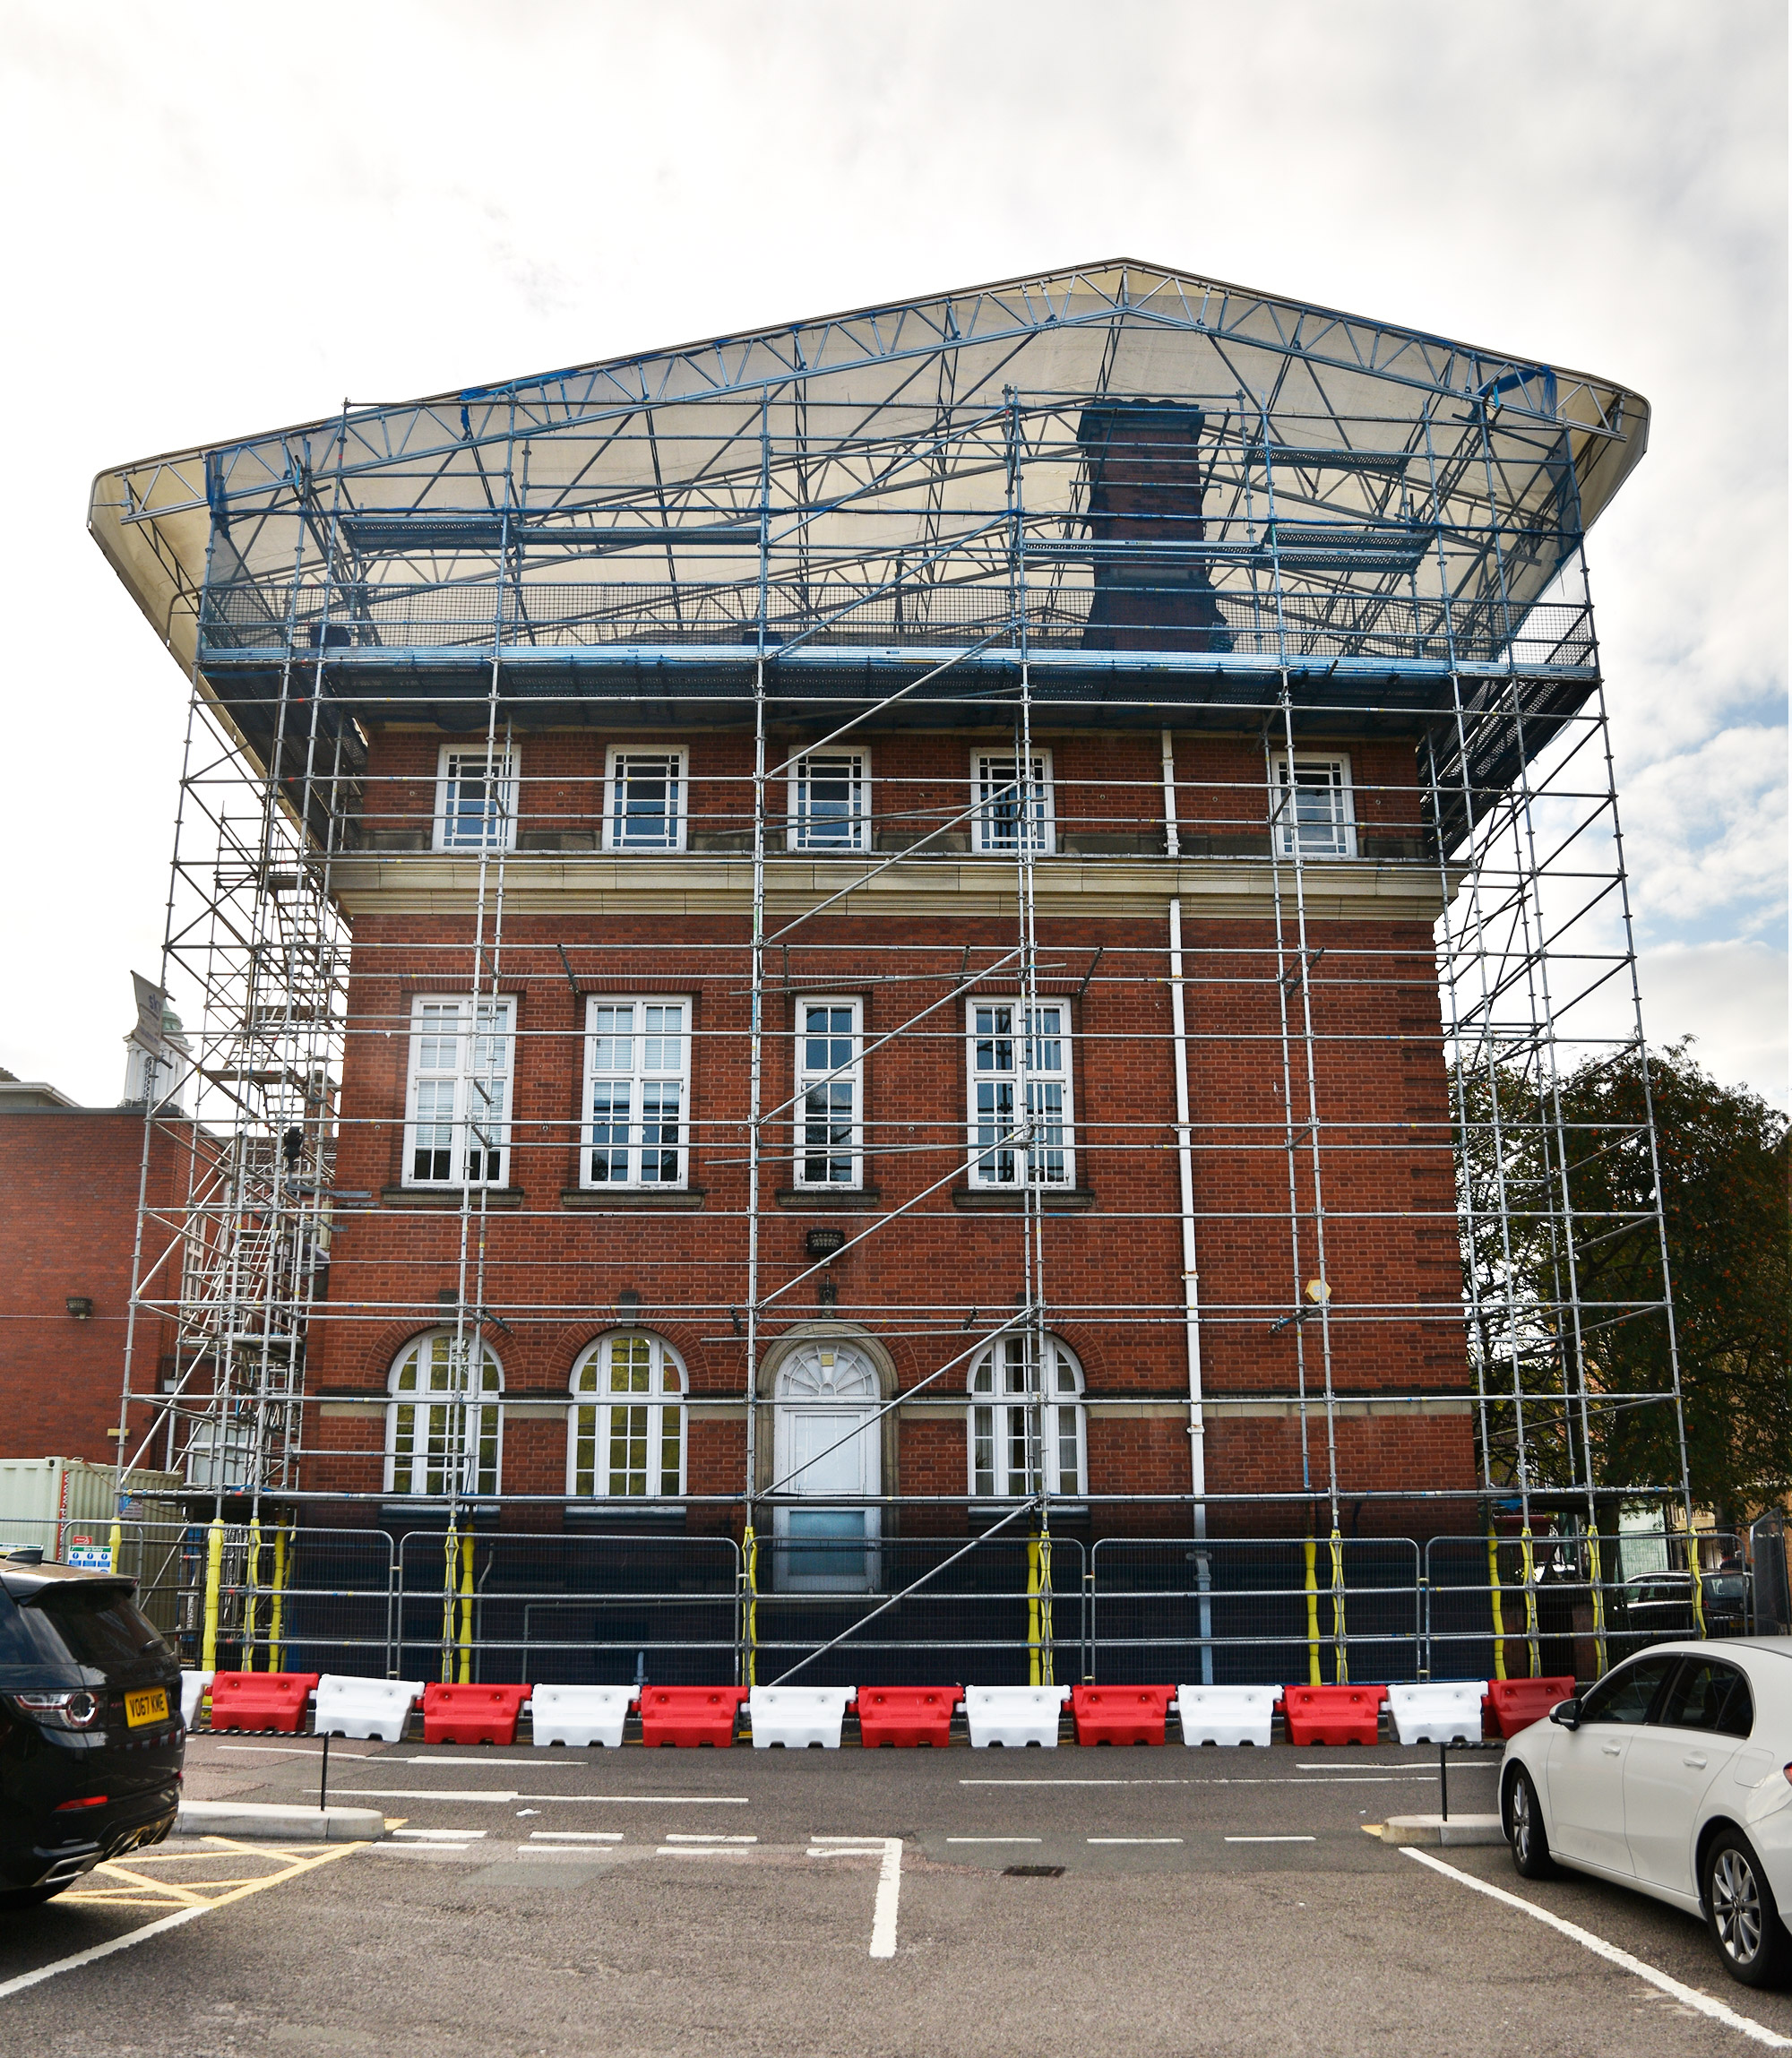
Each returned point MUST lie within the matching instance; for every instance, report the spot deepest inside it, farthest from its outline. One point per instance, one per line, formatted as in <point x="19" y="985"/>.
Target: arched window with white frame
<point x="626" y="1430"/>
<point x="1027" y="1433"/>
<point x="443" y="1423"/>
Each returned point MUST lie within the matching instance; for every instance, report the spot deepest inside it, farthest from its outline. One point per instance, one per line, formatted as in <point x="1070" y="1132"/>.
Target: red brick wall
<point x="68" y="1215"/>
<point x="1113" y="1272"/>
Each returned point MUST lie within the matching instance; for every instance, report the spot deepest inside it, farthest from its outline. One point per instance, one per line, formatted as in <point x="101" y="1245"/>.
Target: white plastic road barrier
<point x="797" y="1716"/>
<point x="1013" y="1715"/>
<point x="1441" y="1711"/>
<point x="351" y="1707"/>
<point x="1226" y="1714"/>
<point x="580" y="1714"/>
<point x="193" y="1686"/>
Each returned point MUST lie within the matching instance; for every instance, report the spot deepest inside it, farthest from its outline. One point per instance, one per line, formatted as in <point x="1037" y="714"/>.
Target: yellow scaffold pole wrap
<point x="276" y="1607"/>
<point x="1311" y="1549"/>
<point x="1340" y="1671"/>
<point x="252" y="1580"/>
<point x="451" y="1553"/>
<point x="214" y="1580"/>
<point x="749" y="1558"/>
<point x="1498" y="1605"/>
<point x="1697" y="1571"/>
<point x="1530" y="1602"/>
<point x="1033" y="1678"/>
<point x="1596" y="1579"/>
<point x="466" y="1611"/>
<point x="1044" y="1609"/>
<point x="115" y="1546"/>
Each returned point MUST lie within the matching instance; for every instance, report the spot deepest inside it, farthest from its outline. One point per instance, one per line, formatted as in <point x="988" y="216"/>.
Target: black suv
<point x="90" y="1733"/>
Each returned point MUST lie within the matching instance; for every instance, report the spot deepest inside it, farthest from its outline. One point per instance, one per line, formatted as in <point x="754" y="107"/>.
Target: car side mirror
<point x="1567" y="1713"/>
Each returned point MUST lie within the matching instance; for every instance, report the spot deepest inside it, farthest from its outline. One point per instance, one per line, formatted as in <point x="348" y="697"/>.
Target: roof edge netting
<point x="1161" y="464"/>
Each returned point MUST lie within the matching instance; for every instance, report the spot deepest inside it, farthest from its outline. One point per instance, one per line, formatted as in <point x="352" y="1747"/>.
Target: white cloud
<point x="226" y="222"/>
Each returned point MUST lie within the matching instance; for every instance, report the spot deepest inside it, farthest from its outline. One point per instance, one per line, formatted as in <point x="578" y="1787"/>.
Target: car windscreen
<point x="95" y="1625"/>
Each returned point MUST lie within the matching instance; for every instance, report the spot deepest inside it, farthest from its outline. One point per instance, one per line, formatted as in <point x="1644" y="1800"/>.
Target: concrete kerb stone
<point x="280" y="1822"/>
<point x="1400" y="1830"/>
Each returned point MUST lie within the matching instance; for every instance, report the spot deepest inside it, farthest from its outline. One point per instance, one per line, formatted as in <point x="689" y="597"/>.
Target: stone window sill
<point x="450" y="1196"/>
<point x="1056" y="1199"/>
<point x="854" y="1198"/>
<point x="676" y="1198"/>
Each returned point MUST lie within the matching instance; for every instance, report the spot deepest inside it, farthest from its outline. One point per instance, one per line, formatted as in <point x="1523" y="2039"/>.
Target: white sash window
<point x="1314" y="816"/>
<point x="626" y="1442"/>
<point x="830" y="1125"/>
<point x="443" y="1423"/>
<point x="457" y="1100"/>
<point x="996" y="1056"/>
<point x="637" y="1084"/>
<point x="1027" y="1434"/>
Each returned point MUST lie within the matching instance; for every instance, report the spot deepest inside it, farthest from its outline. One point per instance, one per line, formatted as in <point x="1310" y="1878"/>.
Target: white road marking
<point x="1705" y="2003"/>
<point x="701" y="1851"/>
<point x="559" y="1800"/>
<point x="1133" y="1840"/>
<point x="889" y="1881"/>
<point x="441" y="1836"/>
<point x="432" y="1792"/>
<point x="1271" y="1840"/>
<point x="996" y="1839"/>
<point x="1337" y="1779"/>
<point x="418" y="1850"/>
<point x="575" y="1836"/>
<point x="98" y="1951"/>
<point x="299" y="1750"/>
<point x="682" y="1837"/>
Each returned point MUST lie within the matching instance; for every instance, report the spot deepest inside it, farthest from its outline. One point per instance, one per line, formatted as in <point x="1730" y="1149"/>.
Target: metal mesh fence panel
<point x="574" y="1611"/>
<point x="980" y="1621"/>
<point x="1263" y="1611"/>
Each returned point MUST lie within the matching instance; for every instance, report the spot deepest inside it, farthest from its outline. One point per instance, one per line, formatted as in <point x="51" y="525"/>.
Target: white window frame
<point x="491" y="826"/>
<point x="659" y="1388"/>
<point x="461" y="1451"/>
<point x="832" y="833"/>
<point x="616" y="761"/>
<point x="995" y="834"/>
<point x="454" y="1106"/>
<point x="1011" y="1417"/>
<point x="1335" y="836"/>
<point x="646" y="1084"/>
<point x="1049" y="1058"/>
<point x="843" y="1084"/>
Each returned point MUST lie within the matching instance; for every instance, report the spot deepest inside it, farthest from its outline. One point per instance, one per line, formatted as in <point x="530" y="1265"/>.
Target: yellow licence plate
<point x="149" y="1706"/>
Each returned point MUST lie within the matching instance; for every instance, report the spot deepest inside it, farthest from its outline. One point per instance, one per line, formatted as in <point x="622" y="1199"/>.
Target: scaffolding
<point x="1118" y="498"/>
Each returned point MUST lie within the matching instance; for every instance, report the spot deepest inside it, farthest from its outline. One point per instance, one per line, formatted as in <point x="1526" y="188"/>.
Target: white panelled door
<point x="826" y="1445"/>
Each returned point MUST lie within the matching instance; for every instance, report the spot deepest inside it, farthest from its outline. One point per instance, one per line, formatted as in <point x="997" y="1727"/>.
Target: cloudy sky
<point x="223" y="219"/>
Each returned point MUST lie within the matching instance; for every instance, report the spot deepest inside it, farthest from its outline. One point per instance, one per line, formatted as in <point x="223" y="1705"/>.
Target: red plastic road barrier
<point x="1333" y="1714"/>
<point x="471" y="1714"/>
<point x="1120" y="1714"/>
<point x="261" y="1700"/>
<point x="1510" y="1705"/>
<point x="907" y="1715"/>
<point x="688" y="1715"/>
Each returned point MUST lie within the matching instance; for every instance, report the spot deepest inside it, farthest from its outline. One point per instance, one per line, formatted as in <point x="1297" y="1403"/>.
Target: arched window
<point x="627" y="1440"/>
<point x="443" y="1425"/>
<point x="1026" y="1419"/>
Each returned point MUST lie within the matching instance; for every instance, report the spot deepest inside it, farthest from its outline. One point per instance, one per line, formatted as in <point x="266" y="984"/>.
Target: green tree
<point x="1565" y="1281"/>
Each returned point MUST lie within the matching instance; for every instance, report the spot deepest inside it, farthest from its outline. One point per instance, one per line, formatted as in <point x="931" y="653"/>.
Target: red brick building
<point x="842" y="928"/>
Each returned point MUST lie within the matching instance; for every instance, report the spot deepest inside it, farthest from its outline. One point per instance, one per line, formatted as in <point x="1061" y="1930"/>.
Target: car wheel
<point x="1740" y="1907"/>
<point x="30" y="1897"/>
<point x="1524" y="1828"/>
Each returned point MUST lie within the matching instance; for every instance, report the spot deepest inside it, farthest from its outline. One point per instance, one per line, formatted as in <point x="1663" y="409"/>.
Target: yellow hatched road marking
<point x="135" y="1889"/>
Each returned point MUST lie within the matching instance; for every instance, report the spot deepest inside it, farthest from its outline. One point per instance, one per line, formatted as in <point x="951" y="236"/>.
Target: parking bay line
<point x="1271" y="1840"/>
<point x="995" y="1839"/>
<point x="91" y="1956"/>
<point x="1138" y="1840"/>
<point x="1705" y="2003"/>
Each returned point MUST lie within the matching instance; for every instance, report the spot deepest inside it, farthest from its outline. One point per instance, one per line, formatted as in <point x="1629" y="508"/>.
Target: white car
<point x="1674" y="1776"/>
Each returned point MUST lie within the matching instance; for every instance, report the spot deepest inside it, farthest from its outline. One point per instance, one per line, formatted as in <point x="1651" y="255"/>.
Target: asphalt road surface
<point x="857" y="1903"/>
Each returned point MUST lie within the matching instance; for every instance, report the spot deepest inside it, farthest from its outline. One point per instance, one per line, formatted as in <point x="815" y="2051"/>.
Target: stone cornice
<point x="1338" y="890"/>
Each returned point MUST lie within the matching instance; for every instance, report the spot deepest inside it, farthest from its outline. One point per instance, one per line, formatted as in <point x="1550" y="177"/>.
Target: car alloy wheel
<point x="1524" y="1828"/>
<point x="1736" y="1913"/>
